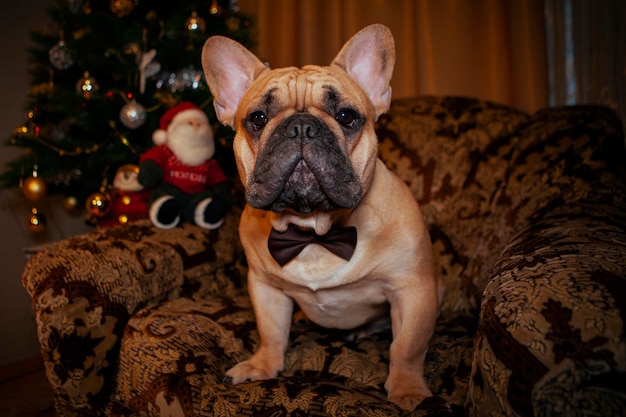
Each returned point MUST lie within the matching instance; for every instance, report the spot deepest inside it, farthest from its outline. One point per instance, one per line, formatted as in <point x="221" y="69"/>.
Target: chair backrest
<point x="453" y="152"/>
<point x="482" y="172"/>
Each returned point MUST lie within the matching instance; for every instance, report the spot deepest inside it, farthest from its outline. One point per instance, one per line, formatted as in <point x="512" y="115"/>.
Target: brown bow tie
<point x="284" y="246"/>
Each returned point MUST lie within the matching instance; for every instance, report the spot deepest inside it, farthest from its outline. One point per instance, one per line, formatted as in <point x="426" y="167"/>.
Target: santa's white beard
<point x="191" y="155"/>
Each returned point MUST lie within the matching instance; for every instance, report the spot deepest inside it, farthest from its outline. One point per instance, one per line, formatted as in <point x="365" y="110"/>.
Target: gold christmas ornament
<point x="36" y="222"/>
<point x="21" y="130"/>
<point x="233" y="23"/>
<point x="86" y="86"/>
<point x="122" y="8"/>
<point x="70" y="203"/>
<point x="215" y="8"/>
<point x="34" y="188"/>
<point x="99" y="204"/>
<point x="195" y="23"/>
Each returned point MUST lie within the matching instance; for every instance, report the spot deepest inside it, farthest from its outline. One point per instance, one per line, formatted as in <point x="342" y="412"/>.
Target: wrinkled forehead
<point x="312" y="86"/>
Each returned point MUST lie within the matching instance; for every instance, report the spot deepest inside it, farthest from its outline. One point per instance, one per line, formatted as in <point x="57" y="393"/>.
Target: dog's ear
<point x="229" y="69"/>
<point x="369" y="56"/>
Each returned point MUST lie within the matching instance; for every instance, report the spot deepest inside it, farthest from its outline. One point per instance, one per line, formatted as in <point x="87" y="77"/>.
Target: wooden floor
<point x="26" y="395"/>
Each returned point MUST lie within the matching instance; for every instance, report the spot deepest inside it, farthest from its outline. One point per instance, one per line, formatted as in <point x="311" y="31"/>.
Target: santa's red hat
<point x="160" y="136"/>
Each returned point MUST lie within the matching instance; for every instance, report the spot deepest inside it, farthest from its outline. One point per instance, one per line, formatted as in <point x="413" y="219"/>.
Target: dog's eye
<point x="258" y="120"/>
<point x="347" y="117"/>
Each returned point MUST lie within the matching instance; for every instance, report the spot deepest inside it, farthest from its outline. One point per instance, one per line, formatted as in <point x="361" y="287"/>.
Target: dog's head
<point x="305" y="139"/>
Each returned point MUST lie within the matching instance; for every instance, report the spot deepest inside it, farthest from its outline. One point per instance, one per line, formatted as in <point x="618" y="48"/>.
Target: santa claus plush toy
<point x="186" y="183"/>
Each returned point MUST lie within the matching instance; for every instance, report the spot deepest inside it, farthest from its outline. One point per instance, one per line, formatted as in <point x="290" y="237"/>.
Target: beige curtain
<point x="490" y="49"/>
<point x="587" y="52"/>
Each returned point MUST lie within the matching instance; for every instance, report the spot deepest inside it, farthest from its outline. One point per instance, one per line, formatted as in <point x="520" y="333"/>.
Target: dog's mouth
<point x="302" y="168"/>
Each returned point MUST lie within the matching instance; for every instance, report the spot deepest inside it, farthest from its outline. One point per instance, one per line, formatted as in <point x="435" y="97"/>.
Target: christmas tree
<point x="101" y="79"/>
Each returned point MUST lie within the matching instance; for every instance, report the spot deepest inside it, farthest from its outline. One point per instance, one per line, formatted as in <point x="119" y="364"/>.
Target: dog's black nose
<point x="302" y="126"/>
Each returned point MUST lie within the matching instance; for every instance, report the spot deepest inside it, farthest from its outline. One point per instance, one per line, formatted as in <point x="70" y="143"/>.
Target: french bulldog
<point x="326" y="224"/>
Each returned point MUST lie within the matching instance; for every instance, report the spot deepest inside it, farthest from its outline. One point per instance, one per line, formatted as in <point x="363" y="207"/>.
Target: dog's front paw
<point x="407" y="393"/>
<point x="407" y="402"/>
<point x="252" y="369"/>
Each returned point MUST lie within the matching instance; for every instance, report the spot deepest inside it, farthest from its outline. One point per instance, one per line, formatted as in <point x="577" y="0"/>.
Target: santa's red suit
<point x="188" y="179"/>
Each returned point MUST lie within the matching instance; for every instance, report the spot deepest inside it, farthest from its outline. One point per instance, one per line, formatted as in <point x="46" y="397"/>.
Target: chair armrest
<point x="85" y="289"/>
<point x="551" y="331"/>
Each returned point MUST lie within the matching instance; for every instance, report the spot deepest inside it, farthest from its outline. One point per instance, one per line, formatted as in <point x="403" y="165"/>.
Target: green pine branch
<point x="74" y="140"/>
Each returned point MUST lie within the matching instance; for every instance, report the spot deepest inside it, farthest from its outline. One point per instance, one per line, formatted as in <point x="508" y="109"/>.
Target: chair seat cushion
<point x="174" y="356"/>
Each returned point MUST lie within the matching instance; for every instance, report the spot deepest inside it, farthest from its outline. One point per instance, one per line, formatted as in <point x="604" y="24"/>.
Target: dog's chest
<point x="345" y="307"/>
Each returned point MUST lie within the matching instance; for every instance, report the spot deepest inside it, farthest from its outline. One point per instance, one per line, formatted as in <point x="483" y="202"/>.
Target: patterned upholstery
<point x="528" y="219"/>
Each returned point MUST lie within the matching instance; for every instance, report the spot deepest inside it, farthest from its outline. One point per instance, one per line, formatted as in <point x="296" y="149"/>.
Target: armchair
<point x="527" y="214"/>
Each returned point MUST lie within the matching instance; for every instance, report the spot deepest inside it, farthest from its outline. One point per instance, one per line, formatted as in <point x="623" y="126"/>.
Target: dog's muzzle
<point x="302" y="167"/>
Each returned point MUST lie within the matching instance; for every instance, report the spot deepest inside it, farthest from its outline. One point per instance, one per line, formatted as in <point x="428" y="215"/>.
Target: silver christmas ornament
<point x="60" y="56"/>
<point x="133" y="115"/>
